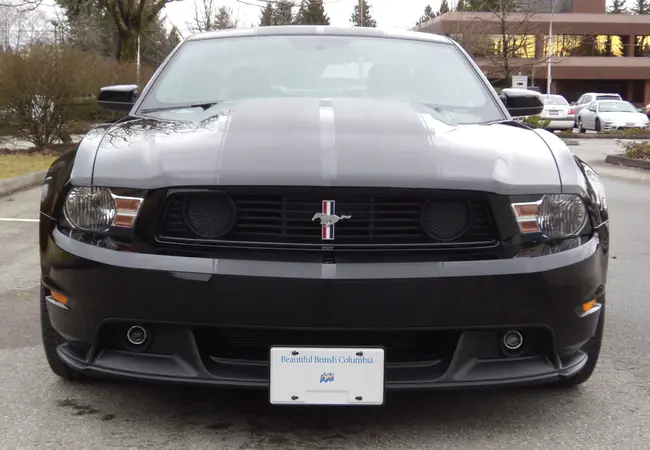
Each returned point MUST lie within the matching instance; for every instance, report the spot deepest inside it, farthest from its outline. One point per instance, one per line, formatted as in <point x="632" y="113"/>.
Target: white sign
<point x="327" y="376"/>
<point x="520" y="82"/>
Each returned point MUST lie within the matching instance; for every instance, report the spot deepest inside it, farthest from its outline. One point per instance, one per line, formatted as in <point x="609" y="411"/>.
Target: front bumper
<point x="212" y="321"/>
<point x="611" y="126"/>
<point x="561" y="124"/>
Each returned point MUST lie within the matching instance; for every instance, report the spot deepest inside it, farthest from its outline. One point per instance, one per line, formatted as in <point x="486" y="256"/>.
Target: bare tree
<point x="502" y="40"/>
<point x="19" y="27"/>
<point x="131" y="18"/>
<point x="23" y="5"/>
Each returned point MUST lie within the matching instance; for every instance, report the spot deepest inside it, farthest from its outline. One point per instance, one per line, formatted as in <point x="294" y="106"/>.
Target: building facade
<point x="590" y="50"/>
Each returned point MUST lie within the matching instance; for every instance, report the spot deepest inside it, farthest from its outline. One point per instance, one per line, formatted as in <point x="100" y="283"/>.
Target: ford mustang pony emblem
<point x="327" y="220"/>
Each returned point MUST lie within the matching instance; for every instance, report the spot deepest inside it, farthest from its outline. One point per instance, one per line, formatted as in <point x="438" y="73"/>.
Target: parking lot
<point x="611" y="411"/>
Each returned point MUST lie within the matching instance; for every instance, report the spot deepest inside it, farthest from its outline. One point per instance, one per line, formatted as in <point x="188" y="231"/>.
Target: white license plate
<point x="629" y="125"/>
<point x="554" y="113"/>
<point x="327" y="376"/>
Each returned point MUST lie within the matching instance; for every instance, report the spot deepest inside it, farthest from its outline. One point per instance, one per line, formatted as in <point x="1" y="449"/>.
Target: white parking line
<point x="16" y="219"/>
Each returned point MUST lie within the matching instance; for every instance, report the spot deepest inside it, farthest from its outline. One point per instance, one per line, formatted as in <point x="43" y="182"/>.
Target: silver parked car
<point x="586" y="99"/>
<point x="559" y="112"/>
<point x="611" y="115"/>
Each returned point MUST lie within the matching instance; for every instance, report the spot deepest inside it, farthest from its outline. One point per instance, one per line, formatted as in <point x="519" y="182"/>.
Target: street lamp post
<point x="550" y="50"/>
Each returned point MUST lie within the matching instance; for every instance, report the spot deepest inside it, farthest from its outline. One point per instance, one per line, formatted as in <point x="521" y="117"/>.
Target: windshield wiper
<point x="205" y="106"/>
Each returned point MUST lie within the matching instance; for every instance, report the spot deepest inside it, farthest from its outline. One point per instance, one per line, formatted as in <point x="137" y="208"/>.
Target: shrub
<point x="536" y="121"/>
<point x="46" y="91"/>
<point x="628" y="132"/>
<point x="636" y="149"/>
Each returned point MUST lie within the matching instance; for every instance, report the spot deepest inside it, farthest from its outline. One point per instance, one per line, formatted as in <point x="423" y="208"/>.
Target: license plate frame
<point x="368" y="391"/>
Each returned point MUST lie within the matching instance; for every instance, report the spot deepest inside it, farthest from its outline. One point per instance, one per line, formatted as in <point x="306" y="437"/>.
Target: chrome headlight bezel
<point x="98" y="209"/>
<point x="552" y="216"/>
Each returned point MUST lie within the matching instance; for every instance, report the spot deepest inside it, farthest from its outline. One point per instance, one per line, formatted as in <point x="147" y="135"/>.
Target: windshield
<point x="617" y="107"/>
<point x="607" y="97"/>
<point x="436" y="75"/>
<point x="555" y="100"/>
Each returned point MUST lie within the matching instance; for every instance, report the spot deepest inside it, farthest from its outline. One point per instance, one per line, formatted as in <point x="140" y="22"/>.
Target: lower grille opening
<point x="252" y="345"/>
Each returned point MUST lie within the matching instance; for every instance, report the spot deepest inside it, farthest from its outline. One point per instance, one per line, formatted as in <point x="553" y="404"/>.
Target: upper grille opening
<point x="375" y="220"/>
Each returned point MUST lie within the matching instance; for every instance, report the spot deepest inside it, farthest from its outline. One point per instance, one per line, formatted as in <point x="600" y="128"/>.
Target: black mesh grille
<point x="253" y="344"/>
<point x="374" y="220"/>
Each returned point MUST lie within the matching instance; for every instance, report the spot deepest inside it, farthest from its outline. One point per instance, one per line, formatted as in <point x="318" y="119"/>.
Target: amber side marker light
<point x="58" y="299"/>
<point x="127" y="211"/>
<point x="588" y="306"/>
<point x="526" y="214"/>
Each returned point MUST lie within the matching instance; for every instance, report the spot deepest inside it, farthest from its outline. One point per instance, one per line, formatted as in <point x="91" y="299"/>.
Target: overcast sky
<point x="387" y="13"/>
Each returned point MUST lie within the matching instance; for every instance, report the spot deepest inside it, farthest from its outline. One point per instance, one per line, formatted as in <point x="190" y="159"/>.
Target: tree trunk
<point x="127" y="50"/>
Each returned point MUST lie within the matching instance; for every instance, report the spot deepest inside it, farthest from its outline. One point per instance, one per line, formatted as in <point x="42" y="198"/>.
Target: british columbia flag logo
<point x="328" y="218"/>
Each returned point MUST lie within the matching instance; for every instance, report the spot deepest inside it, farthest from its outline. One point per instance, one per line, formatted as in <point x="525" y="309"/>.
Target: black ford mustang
<point x="326" y="213"/>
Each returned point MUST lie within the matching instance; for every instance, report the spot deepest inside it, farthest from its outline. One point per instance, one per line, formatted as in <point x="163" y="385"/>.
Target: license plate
<point x="631" y="125"/>
<point x="326" y="376"/>
<point x="554" y="113"/>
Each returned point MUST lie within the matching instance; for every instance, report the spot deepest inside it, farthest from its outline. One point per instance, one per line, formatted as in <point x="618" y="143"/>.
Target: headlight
<point x="97" y="209"/>
<point x="554" y="216"/>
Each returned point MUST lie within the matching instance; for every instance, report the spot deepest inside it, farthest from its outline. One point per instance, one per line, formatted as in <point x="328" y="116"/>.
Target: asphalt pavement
<point x="610" y="411"/>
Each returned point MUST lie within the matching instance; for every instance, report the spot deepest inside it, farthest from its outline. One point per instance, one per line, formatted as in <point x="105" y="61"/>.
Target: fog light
<point x="136" y="335"/>
<point x="513" y="340"/>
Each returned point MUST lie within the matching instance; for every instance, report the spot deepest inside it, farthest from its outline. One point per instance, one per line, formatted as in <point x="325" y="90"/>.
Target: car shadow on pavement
<point x="237" y="414"/>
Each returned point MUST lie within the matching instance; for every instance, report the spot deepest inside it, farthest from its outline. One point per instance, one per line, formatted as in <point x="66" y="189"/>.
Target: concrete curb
<point x="629" y="162"/>
<point x="571" y="141"/>
<point x="641" y="137"/>
<point x="21" y="183"/>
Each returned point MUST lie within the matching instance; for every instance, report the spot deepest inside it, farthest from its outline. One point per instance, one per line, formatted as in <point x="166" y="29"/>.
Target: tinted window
<point x="555" y="100"/>
<point x="608" y="97"/>
<point x="424" y="73"/>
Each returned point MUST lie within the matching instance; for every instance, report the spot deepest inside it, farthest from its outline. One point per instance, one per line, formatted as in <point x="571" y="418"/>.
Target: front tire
<point x="580" y="127"/>
<point x="51" y="340"/>
<point x="592" y="348"/>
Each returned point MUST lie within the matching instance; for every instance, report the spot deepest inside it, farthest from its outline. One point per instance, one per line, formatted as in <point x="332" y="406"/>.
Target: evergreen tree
<point x="428" y="14"/>
<point x="224" y="19"/>
<point x="444" y="8"/>
<point x="641" y="7"/>
<point x="618" y="7"/>
<point x="266" y="18"/>
<point x="311" y="12"/>
<point x="283" y="13"/>
<point x="462" y="6"/>
<point x="367" y="21"/>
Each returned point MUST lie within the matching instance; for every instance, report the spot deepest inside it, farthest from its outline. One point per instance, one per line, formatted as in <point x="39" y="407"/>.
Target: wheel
<point x="592" y="348"/>
<point x="598" y="127"/>
<point x="51" y="340"/>
<point x="580" y="127"/>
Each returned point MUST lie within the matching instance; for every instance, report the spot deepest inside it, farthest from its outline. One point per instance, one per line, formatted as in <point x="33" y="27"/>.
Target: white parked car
<point x="559" y="112"/>
<point x="611" y="115"/>
<point x="585" y="100"/>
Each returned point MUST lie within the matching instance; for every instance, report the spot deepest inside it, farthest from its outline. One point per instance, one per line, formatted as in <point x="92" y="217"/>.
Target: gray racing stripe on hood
<point x="329" y="167"/>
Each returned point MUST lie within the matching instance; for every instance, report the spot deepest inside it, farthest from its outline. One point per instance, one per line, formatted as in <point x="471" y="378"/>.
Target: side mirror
<point x="522" y="102"/>
<point x="120" y="97"/>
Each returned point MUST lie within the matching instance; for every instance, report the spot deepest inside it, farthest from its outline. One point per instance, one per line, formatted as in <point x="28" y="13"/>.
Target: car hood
<point x="312" y="142"/>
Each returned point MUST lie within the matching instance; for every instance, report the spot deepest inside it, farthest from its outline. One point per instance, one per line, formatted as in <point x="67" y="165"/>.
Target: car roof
<point x="320" y="30"/>
<point x="601" y="93"/>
